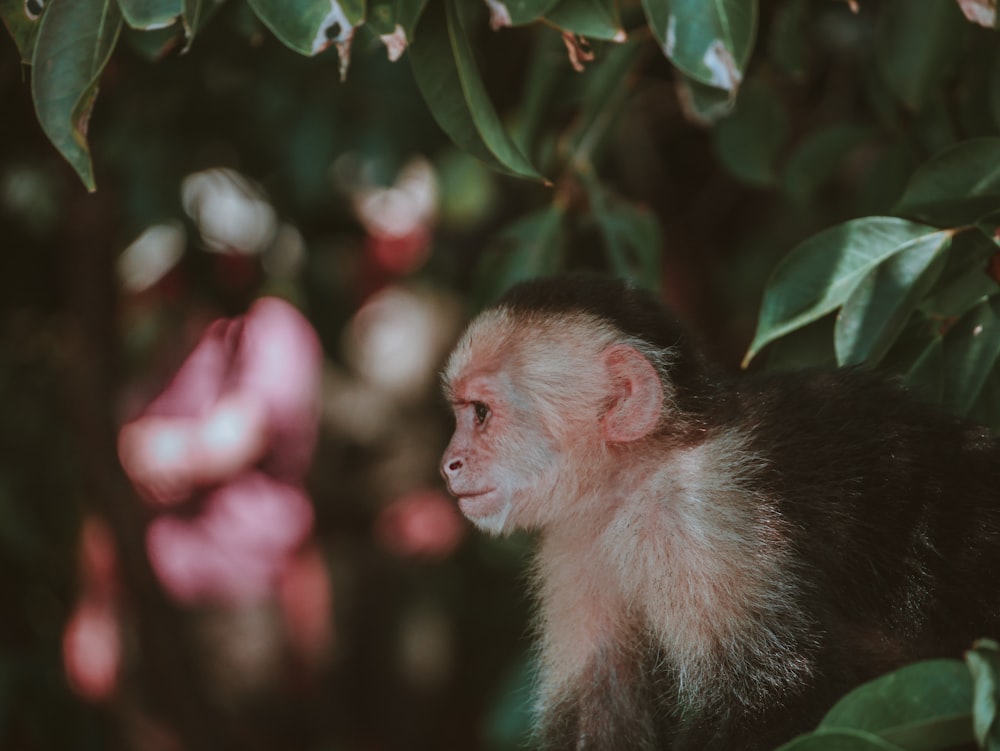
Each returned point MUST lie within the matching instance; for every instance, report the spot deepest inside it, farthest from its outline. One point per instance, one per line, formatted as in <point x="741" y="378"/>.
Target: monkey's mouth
<point x="475" y="505"/>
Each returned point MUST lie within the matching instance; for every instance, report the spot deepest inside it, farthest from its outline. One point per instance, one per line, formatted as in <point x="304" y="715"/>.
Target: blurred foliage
<point x="686" y="144"/>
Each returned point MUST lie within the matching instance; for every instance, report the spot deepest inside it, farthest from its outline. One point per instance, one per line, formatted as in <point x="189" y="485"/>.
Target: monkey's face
<point x="500" y="457"/>
<point x="538" y="403"/>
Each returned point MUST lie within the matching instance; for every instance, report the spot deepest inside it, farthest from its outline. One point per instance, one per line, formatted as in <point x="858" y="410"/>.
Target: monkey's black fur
<point x="891" y="507"/>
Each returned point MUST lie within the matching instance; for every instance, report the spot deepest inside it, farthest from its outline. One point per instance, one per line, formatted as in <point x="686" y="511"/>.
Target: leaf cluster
<point x="927" y="706"/>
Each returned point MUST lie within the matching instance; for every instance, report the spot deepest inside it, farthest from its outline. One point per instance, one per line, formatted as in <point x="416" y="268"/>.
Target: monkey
<point x="720" y="556"/>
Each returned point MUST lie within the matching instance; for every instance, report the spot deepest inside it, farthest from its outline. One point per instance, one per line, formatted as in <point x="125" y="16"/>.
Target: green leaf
<point x="926" y="375"/>
<point x="605" y="93"/>
<point x="878" y="307"/>
<point x="919" y="44"/>
<point x="789" y="43"/>
<point x="310" y="26"/>
<point x="74" y="42"/>
<point x="151" y="14"/>
<point x="819" y="157"/>
<point x="544" y="71"/>
<point x="819" y="275"/>
<point x="971" y="348"/>
<point x="964" y="281"/>
<point x="984" y="664"/>
<point x="994" y="90"/>
<point x="957" y="186"/>
<point x="920" y="707"/>
<point x="395" y="21"/>
<point x="530" y="247"/>
<point x="595" y="19"/>
<point x="155" y="44"/>
<point x="709" y="40"/>
<point x="632" y="238"/>
<point x="748" y="141"/>
<point x="517" y="12"/>
<point x="22" y="21"/>
<point x="839" y="740"/>
<point x="445" y="70"/>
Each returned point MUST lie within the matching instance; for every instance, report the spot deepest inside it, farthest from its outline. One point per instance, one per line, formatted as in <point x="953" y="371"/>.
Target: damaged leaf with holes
<point x="710" y="41"/>
<point x="395" y="23"/>
<point x="310" y="26"/>
<point x="22" y="17"/>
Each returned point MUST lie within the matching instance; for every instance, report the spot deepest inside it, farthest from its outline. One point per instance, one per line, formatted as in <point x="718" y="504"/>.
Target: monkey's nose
<point x="451" y="467"/>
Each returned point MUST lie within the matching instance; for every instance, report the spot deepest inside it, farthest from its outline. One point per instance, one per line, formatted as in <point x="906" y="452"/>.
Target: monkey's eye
<point x="482" y="412"/>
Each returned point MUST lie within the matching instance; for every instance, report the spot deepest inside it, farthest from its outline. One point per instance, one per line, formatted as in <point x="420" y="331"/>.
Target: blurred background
<point x="363" y="613"/>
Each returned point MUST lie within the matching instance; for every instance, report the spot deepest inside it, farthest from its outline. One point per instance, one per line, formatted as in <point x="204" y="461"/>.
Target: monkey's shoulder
<point x="854" y="405"/>
<point x="857" y="456"/>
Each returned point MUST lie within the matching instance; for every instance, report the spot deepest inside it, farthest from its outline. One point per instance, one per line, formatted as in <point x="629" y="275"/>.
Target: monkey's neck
<point x="690" y="554"/>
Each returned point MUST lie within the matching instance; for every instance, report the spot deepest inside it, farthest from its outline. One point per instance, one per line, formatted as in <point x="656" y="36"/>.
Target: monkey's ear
<point x="635" y="395"/>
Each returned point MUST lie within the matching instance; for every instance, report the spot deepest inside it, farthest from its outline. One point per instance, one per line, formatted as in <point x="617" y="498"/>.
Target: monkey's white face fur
<point x="537" y="402"/>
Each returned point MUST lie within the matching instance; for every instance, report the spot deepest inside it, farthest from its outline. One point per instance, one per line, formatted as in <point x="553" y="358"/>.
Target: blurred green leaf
<point x="595" y="19"/>
<point x="74" y="42"/>
<point x="532" y="246"/>
<point x="467" y="188"/>
<point x="957" y="186"/>
<point x="605" y="92"/>
<point x="820" y="274"/>
<point x="445" y="70"/>
<point x="877" y="309"/>
<point x="971" y="348"/>
<point x="881" y="184"/>
<point x="919" y="43"/>
<point x="819" y="157"/>
<point x="994" y="90"/>
<point x="984" y="664"/>
<point x="926" y="375"/>
<point x="632" y="239"/>
<point x="920" y="707"/>
<point x="788" y="44"/>
<point x="22" y="25"/>
<point x="151" y="14"/>
<point x="748" y="141"/>
<point x="839" y="740"/>
<point x="709" y="40"/>
<point x="510" y="722"/>
<point x="310" y="26"/>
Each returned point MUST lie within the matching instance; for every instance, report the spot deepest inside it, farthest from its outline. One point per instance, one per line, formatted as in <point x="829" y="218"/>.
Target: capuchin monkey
<point x="720" y="558"/>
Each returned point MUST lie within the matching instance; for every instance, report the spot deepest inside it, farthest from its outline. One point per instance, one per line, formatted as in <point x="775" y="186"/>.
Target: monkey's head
<point x="550" y="387"/>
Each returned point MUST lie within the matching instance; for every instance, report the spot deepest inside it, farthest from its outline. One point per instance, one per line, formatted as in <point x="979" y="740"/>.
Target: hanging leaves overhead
<point x="73" y="45"/>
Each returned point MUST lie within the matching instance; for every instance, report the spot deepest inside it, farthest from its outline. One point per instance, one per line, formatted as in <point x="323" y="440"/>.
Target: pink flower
<point x="92" y="649"/>
<point x="228" y="443"/>
<point x="423" y="523"/>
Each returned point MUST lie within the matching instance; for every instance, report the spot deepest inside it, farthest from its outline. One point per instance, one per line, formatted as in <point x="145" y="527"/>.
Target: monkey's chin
<point x="488" y="512"/>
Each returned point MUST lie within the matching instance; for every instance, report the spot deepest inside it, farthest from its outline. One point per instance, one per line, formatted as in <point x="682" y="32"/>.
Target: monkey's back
<point x="893" y="509"/>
